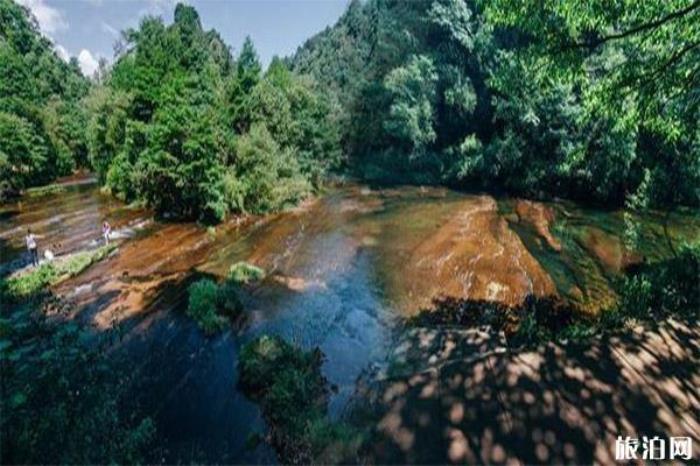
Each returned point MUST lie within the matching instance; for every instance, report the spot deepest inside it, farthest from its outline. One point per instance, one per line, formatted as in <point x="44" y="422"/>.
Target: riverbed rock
<point x="608" y="249"/>
<point x="541" y="218"/>
<point x="474" y="255"/>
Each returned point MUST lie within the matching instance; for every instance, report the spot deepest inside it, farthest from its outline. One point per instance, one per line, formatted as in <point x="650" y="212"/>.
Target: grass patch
<point x="293" y="395"/>
<point x="44" y="190"/>
<point x="244" y="273"/>
<point x="23" y="286"/>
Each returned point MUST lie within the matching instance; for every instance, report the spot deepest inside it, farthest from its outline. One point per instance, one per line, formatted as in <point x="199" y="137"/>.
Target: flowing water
<point x="342" y="271"/>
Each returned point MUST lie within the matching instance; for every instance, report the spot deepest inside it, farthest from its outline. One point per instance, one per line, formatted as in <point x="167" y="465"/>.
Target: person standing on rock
<point x="106" y="230"/>
<point x="30" y="239"/>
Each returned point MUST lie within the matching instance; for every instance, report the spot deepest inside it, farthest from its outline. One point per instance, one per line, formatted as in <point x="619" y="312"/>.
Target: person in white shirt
<point x="106" y="230"/>
<point x="30" y="239"/>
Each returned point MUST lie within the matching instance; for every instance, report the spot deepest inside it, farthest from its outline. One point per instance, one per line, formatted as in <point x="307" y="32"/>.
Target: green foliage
<point x="296" y="115"/>
<point x="244" y="273"/>
<point x="23" y="155"/>
<point x="41" y="117"/>
<point x="293" y="394"/>
<point x="670" y="287"/>
<point x="27" y="284"/>
<point x="285" y="379"/>
<point x="270" y="176"/>
<point x="647" y="294"/>
<point x="594" y="102"/>
<point x="203" y="306"/>
<point x="247" y="76"/>
<point x="63" y="398"/>
<point x="411" y="114"/>
<point x="182" y="126"/>
<point x="213" y="306"/>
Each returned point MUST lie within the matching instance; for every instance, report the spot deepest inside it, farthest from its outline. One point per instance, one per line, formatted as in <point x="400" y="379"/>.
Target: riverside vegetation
<point x="596" y="102"/>
<point x="214" y="305"/>
<point x="293" y="395"/>
<point x="59" y="385"/>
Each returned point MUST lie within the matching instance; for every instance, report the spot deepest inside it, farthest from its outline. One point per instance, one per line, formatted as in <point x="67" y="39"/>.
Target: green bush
<point x="647" y="294"/>
<point x="203" y="306"/>
<point x="293" y="394"/>
<point x="262" y="359"/>
<point x="273" y="175"/>
<point x="243" y="272"/>
<point x="670" y="287"/>
<point x="228" y="299"/>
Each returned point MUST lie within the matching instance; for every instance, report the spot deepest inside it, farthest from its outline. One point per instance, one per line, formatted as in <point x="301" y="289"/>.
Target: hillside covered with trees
<point x="595" y="102"/>
<point x="41" y="119"/>
<point x="192" y="131"/>
<point x="176" y="123"/>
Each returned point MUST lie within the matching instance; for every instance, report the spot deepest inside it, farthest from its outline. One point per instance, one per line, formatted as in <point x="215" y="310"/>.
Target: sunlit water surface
<point x="341" y="272"/>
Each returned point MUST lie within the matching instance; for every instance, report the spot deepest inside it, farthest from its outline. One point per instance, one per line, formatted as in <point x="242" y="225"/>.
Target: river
<point x="343" y="270"/>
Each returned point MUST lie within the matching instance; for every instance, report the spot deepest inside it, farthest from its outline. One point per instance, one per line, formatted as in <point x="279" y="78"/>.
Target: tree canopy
<point x="595" y="101"/>
<point x="41" y="118"/>
<point x="185" y="127"/>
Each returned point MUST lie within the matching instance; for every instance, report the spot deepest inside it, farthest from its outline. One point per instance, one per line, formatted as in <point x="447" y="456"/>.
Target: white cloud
<point x="158" y="7"/>
<point x="50" y="19"/>
<point x="108" y="28"/>
<point x="88" y="63"/>
<point x="62" y="53"/>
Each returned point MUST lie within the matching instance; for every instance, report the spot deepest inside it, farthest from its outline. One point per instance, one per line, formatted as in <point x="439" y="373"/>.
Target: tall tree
<point x="247" y="76"/>
<point x="40" y="111"/>
<point x="172" y="125"/>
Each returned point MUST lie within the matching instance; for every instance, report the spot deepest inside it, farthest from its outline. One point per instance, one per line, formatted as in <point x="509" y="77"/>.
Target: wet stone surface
<point x="343" y="271"/>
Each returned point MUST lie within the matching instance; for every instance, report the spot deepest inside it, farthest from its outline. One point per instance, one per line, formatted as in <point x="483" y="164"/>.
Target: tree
<point x="247" y="76"/>
<point x="172" y="125"/>
<point x="23" y="155"/>
<point x="412" y="113"/>
<point x="594" y="101"/>
<point x="40" y="100"/>
<point x="270" y="175"/>
<point x="635" y="64"/>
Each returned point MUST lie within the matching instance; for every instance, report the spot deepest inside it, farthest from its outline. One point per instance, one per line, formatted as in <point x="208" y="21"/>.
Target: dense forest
<point x="591" y="101"/>
<point x="176" y="123"/>
<point x="42" y="120"/>
<point x="597" y="104"/>
<point x="182" y="125"/>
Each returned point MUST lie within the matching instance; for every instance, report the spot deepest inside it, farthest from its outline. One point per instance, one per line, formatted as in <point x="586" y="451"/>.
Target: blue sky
<point x="88" y="29"/>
